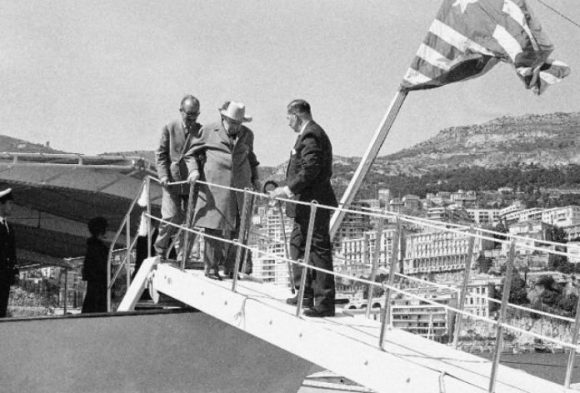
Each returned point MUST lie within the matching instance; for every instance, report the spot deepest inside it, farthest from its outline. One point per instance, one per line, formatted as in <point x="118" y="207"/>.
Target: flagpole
<point x="368" y="158"/>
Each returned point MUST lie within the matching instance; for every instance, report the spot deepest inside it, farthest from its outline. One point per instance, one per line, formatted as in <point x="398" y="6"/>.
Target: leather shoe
<point x="314" y="313"/>
<point x="214" y="276"/>
<point x="307" y="302"/>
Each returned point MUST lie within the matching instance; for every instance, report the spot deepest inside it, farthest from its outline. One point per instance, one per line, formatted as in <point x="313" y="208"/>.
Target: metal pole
<point x="313" y="207"/>
<point x="502" y="312"/>
<point x="246" y="233"/>
<point x="128" y="261"/>
<point x="65" y="289"/>
<point x="387" y="307"/>
<point x="572" y="355"/>
<point x="375" y="263"/>
<point x="244" y="217"/>
<point x="149" y="234"/>
<point x="368" y="159"/>
<point x="286" y="253"/>
<point x="109" y="289"/>
<point x="191" y="202"/>
<point x="463" y="293"/>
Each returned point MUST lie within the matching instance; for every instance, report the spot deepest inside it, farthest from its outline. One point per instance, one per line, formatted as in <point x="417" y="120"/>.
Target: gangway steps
<point x="347" y="346"/>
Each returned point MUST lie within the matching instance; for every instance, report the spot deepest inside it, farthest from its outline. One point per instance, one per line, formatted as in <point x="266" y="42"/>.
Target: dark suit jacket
<point x="309" y="171"/>
<point x="7" y="255"/>
<point x="171" y="159"/>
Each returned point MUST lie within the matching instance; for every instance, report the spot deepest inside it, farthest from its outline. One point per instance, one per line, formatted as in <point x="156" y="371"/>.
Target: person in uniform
<point x="8" y="270"/>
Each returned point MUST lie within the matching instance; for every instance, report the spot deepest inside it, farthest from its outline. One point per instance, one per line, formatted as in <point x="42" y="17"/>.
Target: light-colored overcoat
<point x="226" y="164"/>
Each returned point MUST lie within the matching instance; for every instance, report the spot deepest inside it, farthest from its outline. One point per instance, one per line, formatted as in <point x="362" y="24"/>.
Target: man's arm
<point x="254" y="163"/>
<point x="162" y="158"/>
<point x="311" y="154"/>
<point x="194" y="156"/>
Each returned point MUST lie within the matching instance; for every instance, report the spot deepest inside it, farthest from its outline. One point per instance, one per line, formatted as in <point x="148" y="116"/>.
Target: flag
<point x="469" y="37"/>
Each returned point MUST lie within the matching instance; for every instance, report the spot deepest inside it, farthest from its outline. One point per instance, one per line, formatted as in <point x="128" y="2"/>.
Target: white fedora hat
<point x="235" y="111"/>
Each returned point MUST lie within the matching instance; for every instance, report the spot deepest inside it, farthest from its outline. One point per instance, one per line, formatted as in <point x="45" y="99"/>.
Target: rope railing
<point x="398" y="257"/>
<point x="410" y="219"/>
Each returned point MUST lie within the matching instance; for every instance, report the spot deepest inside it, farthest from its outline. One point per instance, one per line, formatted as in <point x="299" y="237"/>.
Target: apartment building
<point x="420" y="317"/>
<point x="437" y="252"/>
<point x="484" y="216"/>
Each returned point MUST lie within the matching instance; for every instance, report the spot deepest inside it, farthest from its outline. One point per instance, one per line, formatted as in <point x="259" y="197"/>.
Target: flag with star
<point x="469" y="37"/>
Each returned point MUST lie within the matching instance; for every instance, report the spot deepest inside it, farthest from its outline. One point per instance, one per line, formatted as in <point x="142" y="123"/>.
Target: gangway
<point x="345" y="345"/>
<point x="372" y="353"/>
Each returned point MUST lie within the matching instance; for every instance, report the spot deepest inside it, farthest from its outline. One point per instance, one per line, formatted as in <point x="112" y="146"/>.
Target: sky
<point x="105" y="76"/>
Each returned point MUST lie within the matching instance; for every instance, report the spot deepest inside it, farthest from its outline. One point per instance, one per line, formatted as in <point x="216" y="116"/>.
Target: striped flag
<point x="469" y="37"/>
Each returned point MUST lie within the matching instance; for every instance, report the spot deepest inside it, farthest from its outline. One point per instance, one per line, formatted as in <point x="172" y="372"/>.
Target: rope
<point x="559" y="13"/>
<point x="375" y="284"/>
<point x="410" y="219"/>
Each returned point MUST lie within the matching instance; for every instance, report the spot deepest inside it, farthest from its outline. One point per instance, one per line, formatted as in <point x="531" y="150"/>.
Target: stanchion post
<point x="245" y="216"/>
<point x="128" y="259"/>
<point x="572" y="355"/>
<point x="191" y="201"/>
<point x="65" y="289"/>
<point x="149" y="229"/>
<point x="502" y="313"/>
<point x="386" y="317"/>
<point x="246" y="233"/>
<point x="374" y="264"/>
<point x="463" y="293"/>
<point x="313" y="207"/>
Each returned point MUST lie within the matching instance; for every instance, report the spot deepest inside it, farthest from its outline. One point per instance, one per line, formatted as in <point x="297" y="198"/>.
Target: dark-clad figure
<point x="95" y="267"/>
<point x="308" y="178"/>
<point x="229" y="161"/>
<point x="174" y="165"/>
<point x="8" y="270"/>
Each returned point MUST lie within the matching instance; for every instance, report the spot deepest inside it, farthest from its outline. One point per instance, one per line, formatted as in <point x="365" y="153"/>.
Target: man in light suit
<point x="174" y="165"/>
<point x="230" y="161"/>
<point x="308" y="178"/>
<point x="8" y="270"/>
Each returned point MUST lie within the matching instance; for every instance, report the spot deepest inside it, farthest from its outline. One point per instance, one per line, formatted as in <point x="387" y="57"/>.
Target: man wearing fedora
<point x="8" y="270"/>
<point x="308" y="179"/>
<point x="173" y="165"/>
<point x="230" y="161"/>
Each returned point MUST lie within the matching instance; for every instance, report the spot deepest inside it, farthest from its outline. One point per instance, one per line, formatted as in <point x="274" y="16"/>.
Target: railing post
<point x="572" y="355"/>
<point x="394" y="259"/>
<point x="191" y="202"/>
<point x="246" y="233"/>
<point x="128" y="258"/>
<point x="148" y="206"/>
<point x="244" y="218"/>
<point x="463" y="293"/>
<point x="375" y="264"/>
<point x="109" y="289"/>
<point x="502" y="313"/>
<point x="313" y="207"/>
<point x="65" y="289"/>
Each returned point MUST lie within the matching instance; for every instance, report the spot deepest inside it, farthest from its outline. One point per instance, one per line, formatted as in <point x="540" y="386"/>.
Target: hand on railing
<point x="164" y="182"/>
<point x="193" y="176"/>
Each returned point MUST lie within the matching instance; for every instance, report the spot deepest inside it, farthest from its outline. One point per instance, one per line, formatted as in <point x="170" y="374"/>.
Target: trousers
<point x="319" y="285"/>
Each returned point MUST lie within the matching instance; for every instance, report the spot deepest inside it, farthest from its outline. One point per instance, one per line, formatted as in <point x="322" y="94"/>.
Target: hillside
<point x="542" y="140"/>
<point x="15" y="145"/>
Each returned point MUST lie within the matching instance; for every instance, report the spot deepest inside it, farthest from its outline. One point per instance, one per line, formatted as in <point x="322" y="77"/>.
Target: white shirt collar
<point x="304" y="127"/>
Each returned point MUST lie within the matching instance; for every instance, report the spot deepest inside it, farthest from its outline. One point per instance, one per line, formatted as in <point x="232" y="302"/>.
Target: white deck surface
<point x="348" y="346"/>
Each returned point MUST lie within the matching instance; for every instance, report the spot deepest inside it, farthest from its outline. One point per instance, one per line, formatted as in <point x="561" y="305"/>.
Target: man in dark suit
<point x="174" y="165"/>
<point x="308" y="178"/>
<point x="8" y="270"/>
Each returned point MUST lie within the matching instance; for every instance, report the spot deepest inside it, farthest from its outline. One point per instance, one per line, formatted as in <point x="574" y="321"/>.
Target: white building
<point x="484" y="216"/>
<point x="562" y="216"/>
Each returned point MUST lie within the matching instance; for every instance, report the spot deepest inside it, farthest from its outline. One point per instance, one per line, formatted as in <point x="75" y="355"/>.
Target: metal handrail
<point x="391" y="287"/>
<point x="124" y="222"/>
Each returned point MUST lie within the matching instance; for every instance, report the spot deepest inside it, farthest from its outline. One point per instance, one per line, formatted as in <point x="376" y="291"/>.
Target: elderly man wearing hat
<point x="8" y="270"/>
<point x="229" y="161"/>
